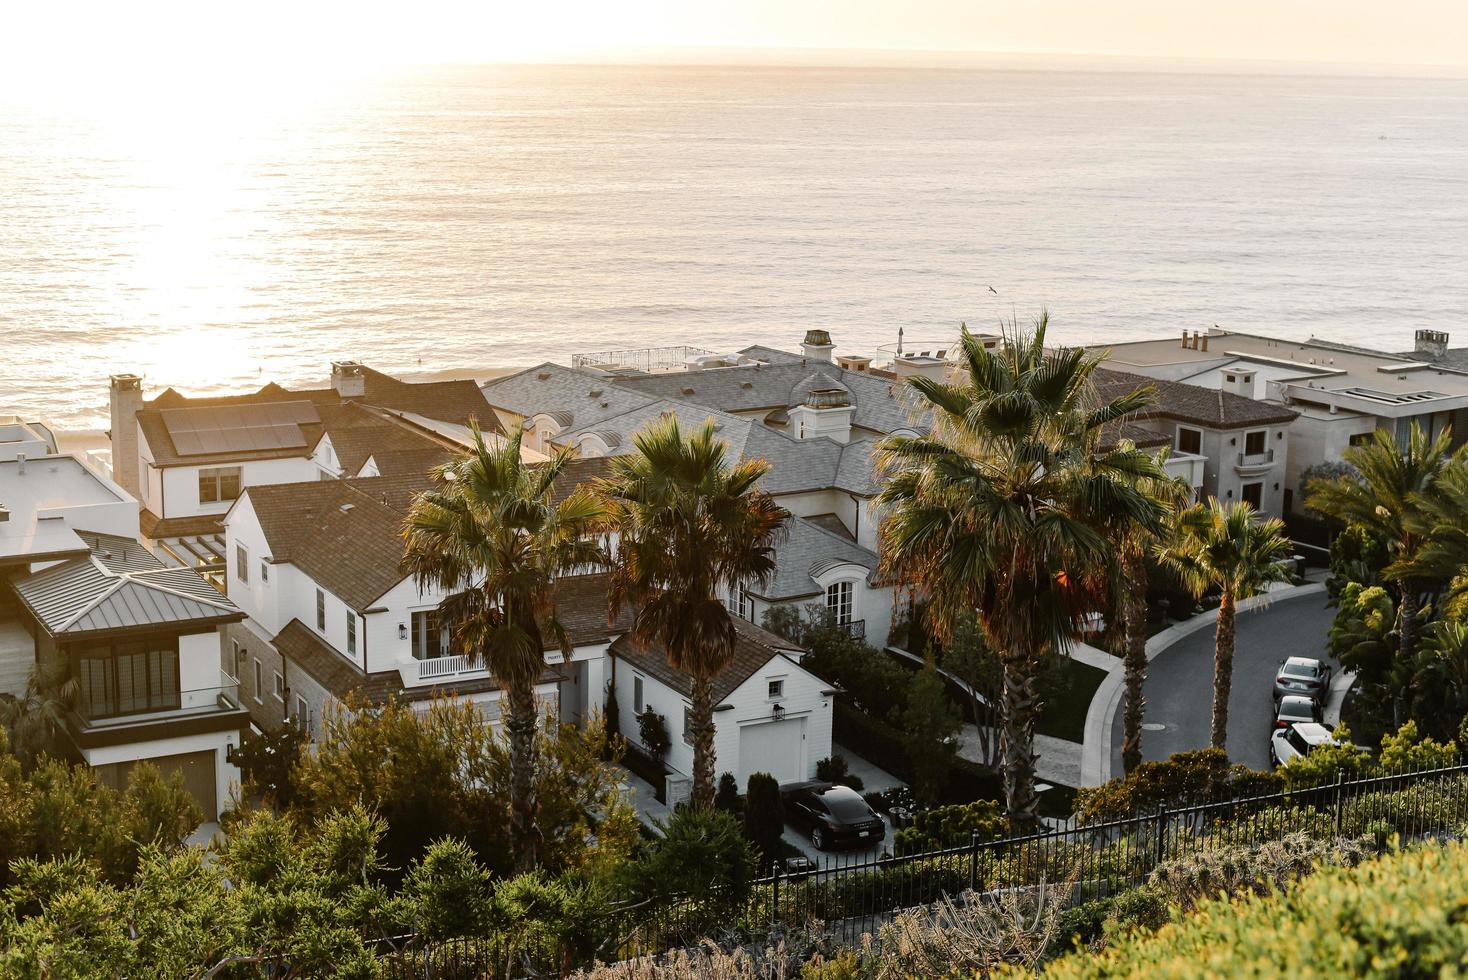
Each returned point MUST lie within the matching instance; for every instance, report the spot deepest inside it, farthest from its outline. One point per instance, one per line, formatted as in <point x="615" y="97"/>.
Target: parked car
<point x="1295" y="708"/>
<point x="833" y="815"/>
<point x="1303" y="676"/>
<point x="1297" y="740"/>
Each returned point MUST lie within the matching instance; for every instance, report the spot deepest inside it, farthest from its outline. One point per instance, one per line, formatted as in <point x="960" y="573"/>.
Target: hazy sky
<point x="93" y="41"/>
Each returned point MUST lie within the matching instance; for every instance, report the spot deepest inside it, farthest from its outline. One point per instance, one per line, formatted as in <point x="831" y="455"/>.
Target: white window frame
<point x="280" y="687"/>
<point x="242" y="563"/>
<point x="351" y="632"/>
<point x="420" y="635"/>
<point x="264" y="572"/>
<point x="740" y="603"/>
<point x="321" y="612"/>
<point x="774" y="688"/>
<point x="303" y="714"/>
<point x="259" y="682"/>
<point x="841" y="601"/>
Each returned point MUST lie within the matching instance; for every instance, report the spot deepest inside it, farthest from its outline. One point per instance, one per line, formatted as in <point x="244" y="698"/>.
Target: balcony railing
<point x="435" y="669"/>
<point x="856" y="628"/>
<point x="1266" y="458"/>
<point x="224" y="696"/>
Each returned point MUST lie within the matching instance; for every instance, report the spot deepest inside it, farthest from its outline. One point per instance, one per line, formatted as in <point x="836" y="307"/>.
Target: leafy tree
<point x="447" y="891"/>
<point x="1388" y="497"/>
<point x="971" y="660"/>
<point x="764" y="815"/>
<point x="1229" y="548"/>
<point x="1003" y="510"/>
<point x="692" y="527"/>
<point x="1363" y="634"/>
<point x="929" y="724"/>
<point x="652" y="728"/>
<point x="1441" y="681"/>
<point x="701" y="853"/>
<point x="613" y="720"/>
<point x="1407" y="751"/>
<point x="34" y="722"/>
<point x="1438" y="519"/>
<point x="1355" y="556"/>
<point x="444" y="773"/>
<point x="267" y="760"/>
<point x="494" y="535"/>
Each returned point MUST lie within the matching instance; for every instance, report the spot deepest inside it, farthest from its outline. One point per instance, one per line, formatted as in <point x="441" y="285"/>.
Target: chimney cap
<point x="127" y="380"/>
<point x="817" y="338"/>
<point x="828" y="398"/>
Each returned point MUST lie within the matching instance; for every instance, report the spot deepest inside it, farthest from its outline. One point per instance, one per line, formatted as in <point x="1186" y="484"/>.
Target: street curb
<point x="1096" y="750"/>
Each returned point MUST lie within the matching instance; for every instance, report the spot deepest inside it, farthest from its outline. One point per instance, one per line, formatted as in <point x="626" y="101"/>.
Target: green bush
<point x="764" y="815"/>
<point x="1184" y="779"/>
<point x="727" y="798"/>
<point x="1398" y="916"/>
<point x="834" y="769"/>
<point x="652" y="728"/>
<point x="952" y="826"/>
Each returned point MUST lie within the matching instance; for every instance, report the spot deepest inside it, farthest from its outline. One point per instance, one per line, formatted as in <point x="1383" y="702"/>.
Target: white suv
<point x="1297" y="740"/>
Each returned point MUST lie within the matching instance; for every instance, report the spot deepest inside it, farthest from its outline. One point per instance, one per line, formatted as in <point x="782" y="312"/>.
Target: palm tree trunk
<point x="1134" y="659"/>
<point x="701" y="714"/>
<point x="1223" y="669"/>
<point x="524" y="718"/>
<point x="1406" y="639"/>
<point x="1017" y="743"/>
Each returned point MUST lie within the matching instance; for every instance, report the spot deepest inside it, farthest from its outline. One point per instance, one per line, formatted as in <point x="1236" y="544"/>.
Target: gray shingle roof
<point x="583" y="396"/>
<point x="753" y="648"/>
<point x="807" y="551"/>
<point x="121" y="586"/>
<point x="1184" y="402"/>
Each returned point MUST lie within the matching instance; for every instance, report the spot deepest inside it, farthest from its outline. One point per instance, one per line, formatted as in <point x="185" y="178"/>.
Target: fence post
<point x="1161" y="832"/>
<point x="775" y="895"/>
<point x="1340" y="779"/>
<point x="973" y="862"/>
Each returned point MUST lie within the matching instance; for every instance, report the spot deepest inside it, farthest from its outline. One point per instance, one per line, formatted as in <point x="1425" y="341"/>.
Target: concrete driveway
<point x="1179" y="687"/>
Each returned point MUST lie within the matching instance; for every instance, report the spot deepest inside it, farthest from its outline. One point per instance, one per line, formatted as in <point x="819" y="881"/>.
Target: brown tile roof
<point x="753" y="648"/>
<point x="1144" y="438"/>
<point x="446" y="401"/>
<point x="154" y="527"/>
<point x="579" y="472"/>
<point x="345" y="534"/>
<point x="1181" y="402"/>
<point x="410" y="462"/>
<point x="581" y="606"/>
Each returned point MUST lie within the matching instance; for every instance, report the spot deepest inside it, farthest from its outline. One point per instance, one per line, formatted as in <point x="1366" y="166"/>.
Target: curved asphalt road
<point x="1179" y="687"/>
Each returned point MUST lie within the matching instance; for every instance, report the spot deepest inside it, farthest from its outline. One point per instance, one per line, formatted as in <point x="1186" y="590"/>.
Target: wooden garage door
<point x="775" y="747"/>
<point x="198" y="776"/>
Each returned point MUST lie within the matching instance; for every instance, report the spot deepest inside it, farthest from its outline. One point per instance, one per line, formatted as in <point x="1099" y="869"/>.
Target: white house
<point x="140" y="640"/>
<point x="771" y="714"/>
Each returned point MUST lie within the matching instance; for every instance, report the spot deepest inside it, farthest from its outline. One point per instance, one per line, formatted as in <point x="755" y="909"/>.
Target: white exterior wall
<point x="226" y="774"/>
<point x="385" y="648"/>
<point x="751" y="705"/>
<point x="1317" y="436"/>
<point x="1222" y="448"/>
<point x="180" y="485"/>
<point x="199" y="661"/>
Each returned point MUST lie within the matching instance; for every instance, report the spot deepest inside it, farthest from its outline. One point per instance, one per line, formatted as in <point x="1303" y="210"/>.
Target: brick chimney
<point x="125" y="399"/>
<point x="347" y="379"/>
<point x="1431" y="343"/>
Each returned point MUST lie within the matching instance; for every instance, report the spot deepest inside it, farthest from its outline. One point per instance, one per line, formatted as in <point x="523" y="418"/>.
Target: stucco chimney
<point x="817" y="345"/>
<point x="1185" y="340"/>
<point x="1203" y="338"/>
<point x="125" y="400"/>
<point x="347" y="379"/>
<point x="1431" y="343"/>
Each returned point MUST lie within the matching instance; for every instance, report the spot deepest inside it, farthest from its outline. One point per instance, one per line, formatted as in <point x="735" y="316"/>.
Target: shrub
<point x="952" y="826"/>
<point x="612" y="714"/>
<point x="727" y="798"/>
<point x="764" y="815"/>
<point x="652" y="728"/>
<point x="882" y="745"/>
<point x="1398" y="915"/>
<point x="834" y="769"/>
<point x="1184" y="779"/>
<point x="267" y="760"/>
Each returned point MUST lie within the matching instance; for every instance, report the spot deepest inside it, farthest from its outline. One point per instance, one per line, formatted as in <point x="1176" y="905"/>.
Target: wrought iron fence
<point x="854" y="894"/>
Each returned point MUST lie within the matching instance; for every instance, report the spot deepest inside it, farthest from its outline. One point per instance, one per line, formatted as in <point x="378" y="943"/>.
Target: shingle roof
<point x="446" y="401"/>
<point x="1184" y="402"/>
<point x="583" y="396"/>
<point x="753" y="648"/>
<point x="342" y="533"/>
<point x="807" y="551"/>
<point x="120" y="586"/>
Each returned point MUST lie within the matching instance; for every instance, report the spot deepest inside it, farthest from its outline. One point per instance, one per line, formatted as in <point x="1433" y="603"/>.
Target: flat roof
<point x="1328" y="366"/>
<point x="48" y="482"/>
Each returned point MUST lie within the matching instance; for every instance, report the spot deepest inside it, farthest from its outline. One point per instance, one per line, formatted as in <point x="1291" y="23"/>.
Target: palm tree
<point x="1135" y="542"/>
<point x="692" y="526"/>
<point x="492" y="535"/>
<point x="1226" y="547"/>
<point x="1386" y="496"/>
<point x="33" y="721"/>
<point x="1439" y="521"/>
<point x="1004" y="508"/>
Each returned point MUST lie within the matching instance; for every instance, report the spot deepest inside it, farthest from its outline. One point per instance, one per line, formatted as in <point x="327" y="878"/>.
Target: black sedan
<point x="833" y="815"/>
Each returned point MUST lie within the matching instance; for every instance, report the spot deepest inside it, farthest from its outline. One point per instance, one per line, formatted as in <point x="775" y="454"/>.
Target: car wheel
<point x="818" y="839"/>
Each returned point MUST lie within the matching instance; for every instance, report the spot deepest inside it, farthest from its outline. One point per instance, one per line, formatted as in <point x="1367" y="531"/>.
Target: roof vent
<point x="347" y="507"/>
<point x="746" y="384"/>
<point x="542" y="376"/>
<point x="595" y="393"/>
<point x="688" y="391"/>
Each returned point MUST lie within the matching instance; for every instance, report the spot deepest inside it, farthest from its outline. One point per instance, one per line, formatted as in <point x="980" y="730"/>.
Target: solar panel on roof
<point x="239" y="428"/>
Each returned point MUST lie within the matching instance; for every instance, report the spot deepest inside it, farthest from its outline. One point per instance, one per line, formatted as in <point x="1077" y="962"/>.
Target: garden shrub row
<point x="881" y="744"/>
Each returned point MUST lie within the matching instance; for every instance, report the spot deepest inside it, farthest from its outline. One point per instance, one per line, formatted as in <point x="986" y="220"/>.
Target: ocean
<point x="457" y="219"/>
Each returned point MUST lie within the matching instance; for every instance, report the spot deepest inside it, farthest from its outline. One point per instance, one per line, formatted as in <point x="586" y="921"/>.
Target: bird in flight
<point x="993" y="290"/>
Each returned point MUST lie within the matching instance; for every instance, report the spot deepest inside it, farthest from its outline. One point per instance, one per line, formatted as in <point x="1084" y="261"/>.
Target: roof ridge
<point x="833" y="535"/>
<point x="96" y="601"/>
<point x="137" y="577"/>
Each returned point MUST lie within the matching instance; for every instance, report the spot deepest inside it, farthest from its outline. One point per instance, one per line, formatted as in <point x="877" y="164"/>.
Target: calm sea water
<point x="462" y="218"/>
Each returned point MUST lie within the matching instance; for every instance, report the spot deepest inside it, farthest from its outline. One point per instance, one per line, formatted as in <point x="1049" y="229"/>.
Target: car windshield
<point x="1296" y="711"/>
<point x="1308" y="670"/>
<point x="844" y="807"/>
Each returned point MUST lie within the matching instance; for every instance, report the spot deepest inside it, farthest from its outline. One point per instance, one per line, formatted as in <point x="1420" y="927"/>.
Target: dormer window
<point x="840" y="599"/>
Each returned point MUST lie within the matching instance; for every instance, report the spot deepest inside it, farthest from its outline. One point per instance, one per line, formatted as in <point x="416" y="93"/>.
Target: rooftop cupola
<point x="826" y="412"/>
<point x="347" y="379"/>
<point x="817" y="345"/>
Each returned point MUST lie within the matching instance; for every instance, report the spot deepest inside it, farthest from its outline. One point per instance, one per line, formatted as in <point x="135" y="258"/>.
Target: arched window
<point x="840" y="599"/>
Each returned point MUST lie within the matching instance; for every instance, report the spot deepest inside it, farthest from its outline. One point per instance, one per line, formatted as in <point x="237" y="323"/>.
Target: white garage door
<point x="775" y="747"/>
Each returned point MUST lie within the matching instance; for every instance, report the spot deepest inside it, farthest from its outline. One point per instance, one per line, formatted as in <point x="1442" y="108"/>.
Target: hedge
<point x="648" y="768"/>
<point x="881" y="744"/>
<point x="1400" y="915"/>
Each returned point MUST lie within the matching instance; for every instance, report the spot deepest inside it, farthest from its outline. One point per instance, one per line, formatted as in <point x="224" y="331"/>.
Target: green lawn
<point x="1067" y="697"/>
